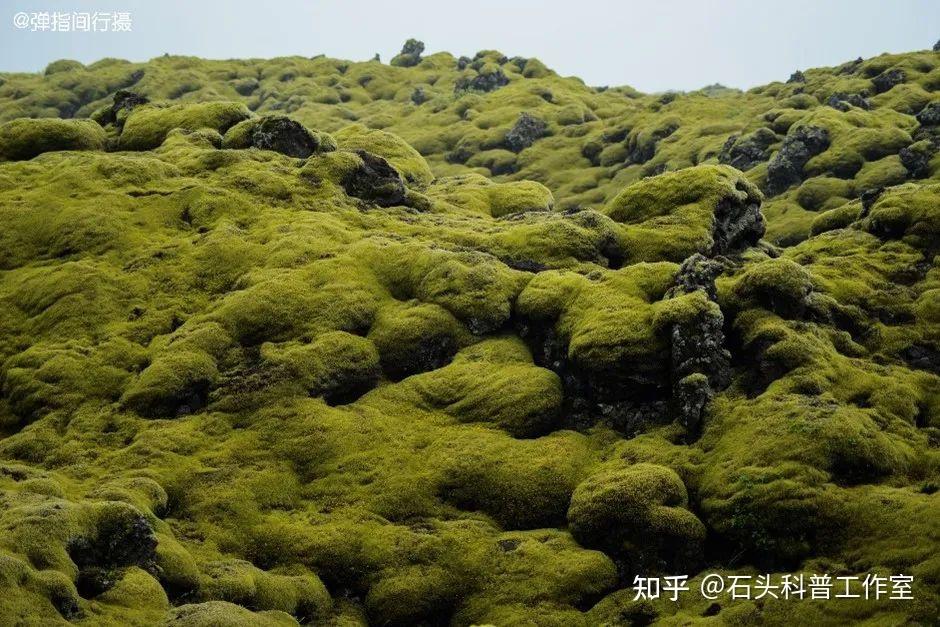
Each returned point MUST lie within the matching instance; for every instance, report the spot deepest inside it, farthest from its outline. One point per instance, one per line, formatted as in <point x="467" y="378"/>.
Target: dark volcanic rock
<point x="690" y="396"/>
<point x="738" y="225"/>
<point x="485" y="82"/>
<point x="419" y="96"/>
<point x="746" y="152"/>
<point x="284" y="135"/>
<point x="797" y="77"/>
<point x="641" y="147"/>
<point x="410" y="54"/>
<point x="869" y="197"/>
<point x="922" y="357"/>
<point x="929" y="115"/>
<point x="851" y="66"/>
<point x="698" y="272"/>
<point x="124" y="99"/>
<point x="888" y="79"/>
<point x="525" y="132"/>
<point x="786" y="168"/>
<point x="123" y="538"/>
<point x="375" y="181"/>
<point x="916" y="158"/>
<point x="701" y="364"/>
<point x="842" y="101"/>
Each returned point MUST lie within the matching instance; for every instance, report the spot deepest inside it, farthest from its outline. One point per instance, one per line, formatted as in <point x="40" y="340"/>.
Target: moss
<point x="821" y="192"/>
<point x="406" y="159"/>
<point x="476" y="193"/>
<point x="62" y="65"/>
<point x="779" y="285"/>
<point x="177" y="382"/>
<point x="410" y="391"/>
<point x="25" y="139"/>
<point x="881" y="173"/>
<point x="179" y="573"/>
<point x="647" y="506"/>
<point x="221" y="613"/>
<point x="905" y="213"/>
<point x="301" y="595"/>
<point x="147" y="126"/>
<point x="522" y="485"/>
<point x="607" y="323"/>
<point x="496" y="382"/>
<point x="542" y="574"/>
<point x="278" y="133"/>
<point x="415" y="339"/>
<point x="410" y="595"/>
<point x="674" y="214"/>
<point x="838" y="218"/>
<point x="337" y="365"/>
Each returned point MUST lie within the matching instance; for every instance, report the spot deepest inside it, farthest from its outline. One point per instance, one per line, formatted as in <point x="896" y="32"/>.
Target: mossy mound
<point x="146" y="127"/>
<point x="436" y="362"/>
<point x="707" y="209"/>
<point x="25" y="139"/>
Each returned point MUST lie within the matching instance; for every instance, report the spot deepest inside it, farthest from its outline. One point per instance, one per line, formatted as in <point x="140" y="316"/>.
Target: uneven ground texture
<point x="461" y="341"/>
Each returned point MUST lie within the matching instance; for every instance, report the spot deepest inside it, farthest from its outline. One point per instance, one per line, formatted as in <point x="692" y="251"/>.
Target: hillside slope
<point x="460" y="341"/>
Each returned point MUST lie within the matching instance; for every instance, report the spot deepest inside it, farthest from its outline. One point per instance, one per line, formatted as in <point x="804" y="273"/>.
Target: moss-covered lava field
<point x="460" y="341"/>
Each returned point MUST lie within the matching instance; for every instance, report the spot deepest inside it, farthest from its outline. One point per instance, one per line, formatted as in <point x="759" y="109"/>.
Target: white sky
<point x="651" y="45"/>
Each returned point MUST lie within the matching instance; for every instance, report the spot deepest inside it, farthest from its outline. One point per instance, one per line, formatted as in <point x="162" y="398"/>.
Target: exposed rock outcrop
<point x="800" y="145"/>
<point x="375" y="181"/>
<point x="410" y="54"/>
<point x="525" y="132"/>
<point x="701" y="364"/>
<point x="745" y="152"/>
<point x="844" y="102"/>
<point x="888" y="79"/>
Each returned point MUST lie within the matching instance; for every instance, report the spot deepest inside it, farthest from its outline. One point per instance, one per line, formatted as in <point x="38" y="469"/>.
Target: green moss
<point x="881" y="173"/>
<point x="647" y="506"/>
<point x="277" y="132"/>
<point x="62" y="65"/>
<point x="414" y="339"/>
<point x="406" y="159"/>
<point x="608" y="323"/>
<point x="147" y="126"/>
<point x="495" y="382"/>
<point x="476" y="193"/>
<point x="414" y="403"/>
<point x="337" y="365"/>
<point x="176" y="382"/>
<point x="822" y="192"/>
<point x="221" y="613"/>
<point x="779" y="285"/>
<point x="674" y="215"/>
<point x="906" y="213"/>
<point x="25" y="139"/>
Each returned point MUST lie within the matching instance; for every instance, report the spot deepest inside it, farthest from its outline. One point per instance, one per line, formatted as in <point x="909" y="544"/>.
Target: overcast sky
<point x="652" y="45"/>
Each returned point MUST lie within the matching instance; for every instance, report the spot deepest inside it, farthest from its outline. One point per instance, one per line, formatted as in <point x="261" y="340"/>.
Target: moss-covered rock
<point x="277" y="133"/>
<point x="641" y="512"/>
<point x="25" y="139"/>
<point x="449" y="379"/>
<point x="146" y="127"/>
<point x="708" y="209"/>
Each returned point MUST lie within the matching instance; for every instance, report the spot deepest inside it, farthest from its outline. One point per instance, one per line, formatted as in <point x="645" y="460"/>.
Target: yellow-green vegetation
<point x="460" y="341"/>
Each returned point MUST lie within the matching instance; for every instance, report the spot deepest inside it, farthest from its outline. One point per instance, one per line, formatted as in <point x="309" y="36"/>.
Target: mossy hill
<point x="461" y="341"/>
